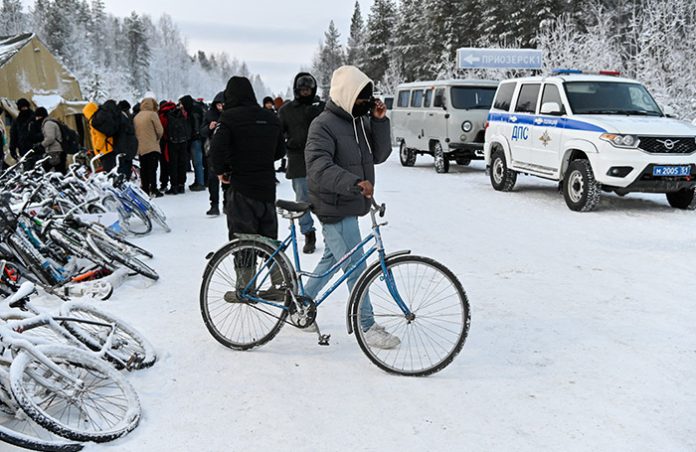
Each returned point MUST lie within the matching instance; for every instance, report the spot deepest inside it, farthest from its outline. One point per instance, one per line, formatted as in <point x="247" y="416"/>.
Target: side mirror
<point x="551" y="108"/>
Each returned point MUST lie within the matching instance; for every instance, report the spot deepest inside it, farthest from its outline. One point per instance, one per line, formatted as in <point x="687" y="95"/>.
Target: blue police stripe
<point x="549" y="121"/>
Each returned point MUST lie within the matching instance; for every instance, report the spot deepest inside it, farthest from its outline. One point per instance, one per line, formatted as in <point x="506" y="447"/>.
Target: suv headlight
<point x="621" y="141"/>
<point x="467" y="126"/>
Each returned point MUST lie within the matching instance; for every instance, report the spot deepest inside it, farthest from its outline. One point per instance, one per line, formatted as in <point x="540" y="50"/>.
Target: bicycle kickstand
<point x="323" y="338"/>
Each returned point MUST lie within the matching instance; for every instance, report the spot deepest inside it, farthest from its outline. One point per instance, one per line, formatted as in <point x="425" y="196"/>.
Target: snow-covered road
<point x="582" y="333"/>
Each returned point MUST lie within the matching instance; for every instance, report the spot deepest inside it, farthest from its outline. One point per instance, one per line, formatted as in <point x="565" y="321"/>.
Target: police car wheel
<point x="683" y="199"/>
<point x="442" y="164"/>
<point x="406" y="155"/>
<point x="580" y="189"/>
<point x="502" y="178"/>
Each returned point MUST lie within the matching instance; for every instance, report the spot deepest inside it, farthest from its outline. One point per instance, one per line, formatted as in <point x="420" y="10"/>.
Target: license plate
<point x="672" y="170"/>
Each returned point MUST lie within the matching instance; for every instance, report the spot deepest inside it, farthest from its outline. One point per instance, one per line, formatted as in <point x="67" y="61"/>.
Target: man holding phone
<point x="343" y="146"/>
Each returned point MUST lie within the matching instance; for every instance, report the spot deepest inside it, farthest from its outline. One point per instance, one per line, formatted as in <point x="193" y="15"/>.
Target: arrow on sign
<point x="471" y="59"/>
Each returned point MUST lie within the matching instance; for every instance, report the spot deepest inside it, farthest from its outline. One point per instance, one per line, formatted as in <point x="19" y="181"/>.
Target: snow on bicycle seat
<point x="297" y="207"/>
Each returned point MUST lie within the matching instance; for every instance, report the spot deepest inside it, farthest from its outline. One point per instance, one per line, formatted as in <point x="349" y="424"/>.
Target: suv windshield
<point x="472" y="98"/>
<point x="610" y="98"/>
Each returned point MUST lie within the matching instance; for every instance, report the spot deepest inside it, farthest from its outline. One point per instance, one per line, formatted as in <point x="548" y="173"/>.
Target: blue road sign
<point x="473" y="58"/>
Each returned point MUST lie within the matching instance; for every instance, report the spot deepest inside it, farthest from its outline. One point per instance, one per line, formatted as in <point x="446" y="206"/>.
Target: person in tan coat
<point x="149" y="131"/>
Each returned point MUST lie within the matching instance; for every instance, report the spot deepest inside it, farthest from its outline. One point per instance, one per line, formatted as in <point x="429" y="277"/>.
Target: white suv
<point x="593" y="133"/>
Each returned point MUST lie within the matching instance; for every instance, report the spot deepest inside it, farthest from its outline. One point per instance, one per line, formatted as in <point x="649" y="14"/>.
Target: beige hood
<point x="148" y="104"/>
<point x="346" y="84"/>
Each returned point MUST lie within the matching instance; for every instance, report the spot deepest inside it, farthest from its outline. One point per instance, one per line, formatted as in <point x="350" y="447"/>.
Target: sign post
<point x="475" y="58"/>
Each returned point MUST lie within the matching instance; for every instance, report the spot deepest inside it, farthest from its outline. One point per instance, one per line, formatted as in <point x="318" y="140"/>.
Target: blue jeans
<point x="302" y="195"/>
<point x="339" y="239"/>
<point x="197" y="156"/>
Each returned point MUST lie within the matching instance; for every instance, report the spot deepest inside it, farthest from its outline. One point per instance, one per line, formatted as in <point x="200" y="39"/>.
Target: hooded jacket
<point x="342" y="150"/>
<point x="246" y="142"/>
<point x="194" y="116"/>
<point x="101" y="144"/>
<point x="212" y="115"/>
<point x="51" y="139"/>
<point x="148" y="128"/>
<point x="295" y="119"/>
<point x="20" y="136"/>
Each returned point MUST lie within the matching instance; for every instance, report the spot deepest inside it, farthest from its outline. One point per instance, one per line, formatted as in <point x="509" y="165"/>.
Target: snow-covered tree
<point x="355" y="53"/>
<point x="379" y="42"/>
<point x="13" y="20"/>
<point x="330" y="57"/>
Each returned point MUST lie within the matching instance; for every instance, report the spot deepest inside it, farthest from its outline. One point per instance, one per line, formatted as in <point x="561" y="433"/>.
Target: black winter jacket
<point x="295" y="118"/>
<point x="246" y="142"/>
<point x="20" y="136"/>
<point x="342" y="151"/>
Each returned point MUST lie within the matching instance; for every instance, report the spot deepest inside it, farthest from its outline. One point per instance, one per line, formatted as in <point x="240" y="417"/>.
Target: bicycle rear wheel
<point x="436" y="332"/>
<point x="118" y="255"/>
<point x="103" y="408"/>
<point x="232" y="321"/>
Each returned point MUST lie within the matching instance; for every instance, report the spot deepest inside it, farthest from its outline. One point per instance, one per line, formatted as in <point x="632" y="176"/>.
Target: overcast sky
<point x="275" y="37"/>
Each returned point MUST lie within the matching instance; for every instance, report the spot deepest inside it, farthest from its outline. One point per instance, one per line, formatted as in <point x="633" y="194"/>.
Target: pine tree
<point x="138" y="54"/>
<point x="331" y="56"/>
<point x="379" y="42"/>
<point x="12" y="18"/>
<point x="410" y="41"/>
<point x="355" y="54"/>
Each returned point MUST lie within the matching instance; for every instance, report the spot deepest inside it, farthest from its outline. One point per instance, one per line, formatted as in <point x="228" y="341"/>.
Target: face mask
<point x="361" y="109"/>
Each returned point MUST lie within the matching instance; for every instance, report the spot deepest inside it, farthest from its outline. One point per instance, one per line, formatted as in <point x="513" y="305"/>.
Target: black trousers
<point x="214" y="189"/>
<point x="250" y="216"/>
<point x="108" y="161"/>
<point x="164" y="171"/>
<point x="178" y="162"/>
<point x="148" y="171"/>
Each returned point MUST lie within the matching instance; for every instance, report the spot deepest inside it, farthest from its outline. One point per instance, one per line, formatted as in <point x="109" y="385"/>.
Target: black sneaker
<point x="171" y="191"/>
<point x="197" y="187"/>
<point x="213" y="212"/>
<point x="156" y="194"/>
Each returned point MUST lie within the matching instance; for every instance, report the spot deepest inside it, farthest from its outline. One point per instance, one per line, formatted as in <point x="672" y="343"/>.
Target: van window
<point x="404" y="97"/>
<point x="551" y="94"/>
<point x="527" y="101"/>
<point x="417" y="98"/>
<point x="439" y="98"/>
<point x="389" y="102"/>
<point x="428" y="98"/>
<point x="472" y="97"/>
<point x="504" y="97"/>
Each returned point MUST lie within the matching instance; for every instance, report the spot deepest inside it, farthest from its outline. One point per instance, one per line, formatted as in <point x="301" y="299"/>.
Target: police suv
<point x="592" y="133"/>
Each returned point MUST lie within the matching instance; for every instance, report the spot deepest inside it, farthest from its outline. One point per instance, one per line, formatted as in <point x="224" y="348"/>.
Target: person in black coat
<point x="194" y="116"/>
<point x="21" y="137"/>
<point x="295" y="119"/>
<point x="210" y="122"/>
<point x="247" y="142"/>
<point x="127" y="143"/>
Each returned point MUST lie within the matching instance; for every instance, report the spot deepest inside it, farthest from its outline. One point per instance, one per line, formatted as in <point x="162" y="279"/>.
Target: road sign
<point x="473" y="58"/>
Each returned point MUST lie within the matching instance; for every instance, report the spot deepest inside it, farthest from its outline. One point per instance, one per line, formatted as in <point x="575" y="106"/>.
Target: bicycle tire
<point x="128" y="340"/>
<point x="72" y="244"/>
<point x="131" y="262"/>
<point x="216" y="311"/>
<point x="411" y="332"/>
<point x="124" y="244"/>
<point x="20" y="430"/>
<point x="156" y="214"/>
<point x="126" y="417"/>
<point x="133" y="212"/>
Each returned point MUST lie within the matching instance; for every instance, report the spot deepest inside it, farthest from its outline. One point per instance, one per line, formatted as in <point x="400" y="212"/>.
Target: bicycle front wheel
<point x="102" y="407"/>
<point x="428" y="339"/>
<point x="233" y="321"/>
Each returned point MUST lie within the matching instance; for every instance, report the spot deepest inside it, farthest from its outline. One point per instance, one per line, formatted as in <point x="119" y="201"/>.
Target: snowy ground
<point x="582" y="333"/>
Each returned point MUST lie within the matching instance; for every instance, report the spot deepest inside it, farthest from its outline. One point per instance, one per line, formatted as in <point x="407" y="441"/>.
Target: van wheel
<point x="406" y="155"/>
<point x="683" y="199"/>
<point x="580" y="189"/>
<point x="442" y="164"/>
<point x="463" y="162"/>
<point x="502" y="178"/>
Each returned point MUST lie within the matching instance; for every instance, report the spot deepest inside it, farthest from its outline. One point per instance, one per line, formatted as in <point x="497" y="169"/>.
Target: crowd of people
<point x="326" y="149"/>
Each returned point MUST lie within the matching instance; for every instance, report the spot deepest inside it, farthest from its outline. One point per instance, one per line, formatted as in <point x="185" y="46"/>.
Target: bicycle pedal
<point x="324" y="339"/>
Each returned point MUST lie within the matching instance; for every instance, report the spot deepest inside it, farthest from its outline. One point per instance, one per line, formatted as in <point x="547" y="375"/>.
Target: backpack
<point x="107" y="119"/>
<point x="178" y="128"/>
<point x="70" y="140"/>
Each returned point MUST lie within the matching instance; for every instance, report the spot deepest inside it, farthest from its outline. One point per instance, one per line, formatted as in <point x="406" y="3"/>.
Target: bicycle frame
<point x="291" y="240"/>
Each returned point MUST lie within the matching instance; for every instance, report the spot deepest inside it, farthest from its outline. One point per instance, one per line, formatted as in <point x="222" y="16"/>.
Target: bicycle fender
<point x="361" y="282"/>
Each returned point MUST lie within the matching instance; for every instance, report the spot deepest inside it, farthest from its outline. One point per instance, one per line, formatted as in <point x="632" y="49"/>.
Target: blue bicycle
<point x="251" y="289"/>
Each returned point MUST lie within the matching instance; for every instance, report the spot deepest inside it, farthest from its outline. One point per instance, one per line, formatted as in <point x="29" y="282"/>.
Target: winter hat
<point x="149" y="95"/>
<point x="41" y="112"/>
<point x="23" y="103"/>
<point x="267" y="100"/>
<point x="124" y="105"/>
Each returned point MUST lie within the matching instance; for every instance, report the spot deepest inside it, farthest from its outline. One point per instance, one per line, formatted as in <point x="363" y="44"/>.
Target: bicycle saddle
<point x="298" y="207"/>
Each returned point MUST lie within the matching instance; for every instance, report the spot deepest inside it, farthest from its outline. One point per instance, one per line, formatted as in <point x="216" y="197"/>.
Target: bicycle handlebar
<point x="379" y="208"/>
